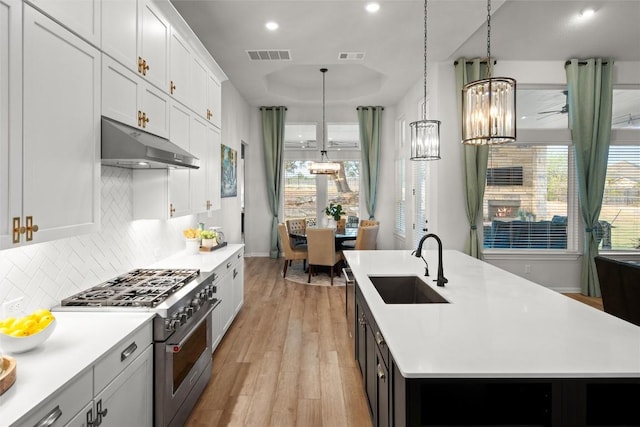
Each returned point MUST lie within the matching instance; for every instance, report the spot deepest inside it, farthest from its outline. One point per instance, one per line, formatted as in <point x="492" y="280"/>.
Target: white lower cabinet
<point x="238" y="281"/>
<point x="115" y="391"/>
<point x="230" y="292"/>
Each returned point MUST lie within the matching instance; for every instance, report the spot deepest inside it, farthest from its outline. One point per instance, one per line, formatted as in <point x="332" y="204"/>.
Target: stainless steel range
<point x="183" y="300"/>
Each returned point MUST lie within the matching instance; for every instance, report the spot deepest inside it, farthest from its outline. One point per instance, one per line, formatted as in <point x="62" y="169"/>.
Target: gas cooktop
<point x="137" y="288"/>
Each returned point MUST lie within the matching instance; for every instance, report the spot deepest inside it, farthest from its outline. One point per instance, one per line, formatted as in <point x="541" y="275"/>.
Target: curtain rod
<point x="378" y="106"/>
<point x="484" y="61"/>
<point x="584" y="63"/>
<point x="272" y="108"/>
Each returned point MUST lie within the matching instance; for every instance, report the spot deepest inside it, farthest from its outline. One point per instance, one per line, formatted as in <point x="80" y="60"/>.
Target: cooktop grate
<point x="137" y="288"/>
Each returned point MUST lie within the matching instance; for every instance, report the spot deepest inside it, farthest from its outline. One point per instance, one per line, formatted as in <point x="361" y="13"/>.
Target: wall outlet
<point x="14" y="308"/>
<point x="527" y="268"/>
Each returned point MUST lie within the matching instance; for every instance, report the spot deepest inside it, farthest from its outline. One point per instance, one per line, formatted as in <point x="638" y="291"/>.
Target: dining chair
<point x="291" y="253"/>
<point x="297" y="226"/>
<point x="365" y="240"/>
<point x="321" y="247"/>
<point x="350" y="244"/>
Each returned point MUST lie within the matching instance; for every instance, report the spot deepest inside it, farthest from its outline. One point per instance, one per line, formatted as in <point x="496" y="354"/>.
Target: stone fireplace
<point x="500" y="209"/>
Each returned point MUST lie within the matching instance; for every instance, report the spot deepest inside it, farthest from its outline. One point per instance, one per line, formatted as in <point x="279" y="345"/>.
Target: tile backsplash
<point x="45" y="273"/>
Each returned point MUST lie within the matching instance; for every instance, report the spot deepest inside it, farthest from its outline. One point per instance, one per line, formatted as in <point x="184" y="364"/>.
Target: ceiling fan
<point x="563" y="110"/>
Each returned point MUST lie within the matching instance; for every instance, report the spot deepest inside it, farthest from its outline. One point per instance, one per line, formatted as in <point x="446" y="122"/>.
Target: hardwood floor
<point x="286" y="359"/>
<point x="592" y="301"/>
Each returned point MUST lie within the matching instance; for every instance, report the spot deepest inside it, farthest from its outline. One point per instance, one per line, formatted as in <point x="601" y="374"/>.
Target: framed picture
<point x="228" y="171"/>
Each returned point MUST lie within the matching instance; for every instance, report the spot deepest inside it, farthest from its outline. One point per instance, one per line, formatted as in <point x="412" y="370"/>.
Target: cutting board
<point x="7" y="373"/>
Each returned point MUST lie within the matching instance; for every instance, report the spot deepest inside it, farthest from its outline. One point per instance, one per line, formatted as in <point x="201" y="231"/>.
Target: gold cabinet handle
<point x="142" y="119"/>
<point x="17" y="230"/>
<point x="171" y="209"/>
<point x="172" y="87"/>
<point x="140" y="64"/>
<point x="209" y="114"/>
<point x="30" y="228"/>
<point x="145" y="67"/>
<point x="208" y="204"/>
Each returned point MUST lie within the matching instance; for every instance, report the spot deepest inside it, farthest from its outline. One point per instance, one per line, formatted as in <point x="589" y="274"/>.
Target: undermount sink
<point x="405" y="290"/>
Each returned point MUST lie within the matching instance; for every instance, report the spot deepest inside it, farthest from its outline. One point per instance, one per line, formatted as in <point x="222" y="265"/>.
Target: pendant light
<point x="324" y="166"/>
<point x="425" y="134"/>
<point x="489" y="105"/>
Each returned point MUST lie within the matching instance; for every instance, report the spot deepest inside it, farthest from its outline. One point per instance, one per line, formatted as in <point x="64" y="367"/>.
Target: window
<point x="306" y="195"/>
<point x="619" y="222"/>
<point x="530" y="199"/>
<point x="400" y="196"/>
<point x="400" y="199"/>
<point x="420" y="171"/>
<point x="526" y="197"/>
<point x="299" y="190"/>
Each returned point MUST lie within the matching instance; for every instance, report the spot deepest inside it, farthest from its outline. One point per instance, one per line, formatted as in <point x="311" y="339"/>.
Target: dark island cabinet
<point x="556" y="402"/>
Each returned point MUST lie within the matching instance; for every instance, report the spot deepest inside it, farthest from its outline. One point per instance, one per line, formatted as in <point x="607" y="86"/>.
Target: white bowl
<point x="11" y="344"/>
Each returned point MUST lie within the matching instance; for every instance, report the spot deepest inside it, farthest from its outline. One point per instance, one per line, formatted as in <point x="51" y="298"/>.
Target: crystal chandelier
<point x="489" y="105"/>
<point x="425" y="134"/>
<point x="324" y="166"/>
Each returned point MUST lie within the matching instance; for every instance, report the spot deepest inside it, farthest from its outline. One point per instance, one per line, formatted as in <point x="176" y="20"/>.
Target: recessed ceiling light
<point x="372" y="7"/>
<point x="587" y="13"/>
<point x="271" y="26"/>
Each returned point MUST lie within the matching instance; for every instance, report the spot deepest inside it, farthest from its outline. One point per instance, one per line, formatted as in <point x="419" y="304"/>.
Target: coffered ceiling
<point x="388" y="45"/>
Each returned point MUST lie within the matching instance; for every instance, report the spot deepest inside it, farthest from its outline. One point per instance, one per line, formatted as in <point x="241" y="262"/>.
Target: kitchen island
<point x="499" y="342"/>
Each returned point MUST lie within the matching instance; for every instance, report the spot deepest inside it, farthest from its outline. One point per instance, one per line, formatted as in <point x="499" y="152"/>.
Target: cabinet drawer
<point x="121" y="356"/>
<point x="64" y="404"/>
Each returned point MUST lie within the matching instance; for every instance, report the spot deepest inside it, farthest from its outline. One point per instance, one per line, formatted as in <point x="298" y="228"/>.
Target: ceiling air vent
<point x="351" y="56"/>
<point x="269" y="55"/>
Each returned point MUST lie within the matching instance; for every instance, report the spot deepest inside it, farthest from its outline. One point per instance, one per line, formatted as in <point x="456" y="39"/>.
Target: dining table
<point x="341" y="235"/>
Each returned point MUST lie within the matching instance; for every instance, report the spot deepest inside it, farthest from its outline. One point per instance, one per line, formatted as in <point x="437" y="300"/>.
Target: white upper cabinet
<point x="179" y="183"/>
<point x="10" y="118"/>
<point x="136" y="34"/>
<point x="80" y="16"/>
<point x="206" y="93"/>
<point x="131" y="100"/>
<point x="120" y="28"/>
<point x="61" y="132"/>
<point x="154" y="46"/>
<point x="214" y="96"/>
<point x="179" y="66"/>
<point x="199" y="135"/>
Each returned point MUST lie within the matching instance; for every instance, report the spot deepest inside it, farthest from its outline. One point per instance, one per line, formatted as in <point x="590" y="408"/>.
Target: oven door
<point x="182" y="369"/>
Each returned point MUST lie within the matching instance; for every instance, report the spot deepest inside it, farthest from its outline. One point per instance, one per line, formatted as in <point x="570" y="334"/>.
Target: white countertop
<point x="205" y="261"/>
<point x="495" y="325"/>
<point x="79" y="340"/>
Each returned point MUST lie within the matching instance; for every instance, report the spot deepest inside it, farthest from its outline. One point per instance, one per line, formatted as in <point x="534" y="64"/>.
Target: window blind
<point x="619" y="222"/>
<point x="526" y="197"/>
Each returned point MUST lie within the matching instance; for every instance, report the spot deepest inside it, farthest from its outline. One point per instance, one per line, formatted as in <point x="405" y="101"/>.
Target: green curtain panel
<point x="370" y="121"/>
<point x="273" y="140"/>
<point x="590" y="84"/>
<point x="474" y="157"/>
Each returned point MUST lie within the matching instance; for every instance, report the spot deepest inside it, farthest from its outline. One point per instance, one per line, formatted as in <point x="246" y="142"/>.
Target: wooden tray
<point x="212" y="248"/>
<point x="7" y="373"/>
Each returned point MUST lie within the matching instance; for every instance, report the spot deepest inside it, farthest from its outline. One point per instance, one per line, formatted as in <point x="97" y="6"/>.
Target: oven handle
<point x="175" y="348"/>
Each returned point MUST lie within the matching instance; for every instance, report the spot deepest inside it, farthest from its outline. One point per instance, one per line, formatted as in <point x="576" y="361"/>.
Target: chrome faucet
<point x="441" y="280"/>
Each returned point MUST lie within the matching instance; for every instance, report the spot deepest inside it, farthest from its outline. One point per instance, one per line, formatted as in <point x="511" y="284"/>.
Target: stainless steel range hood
<point x="128" y="147"/>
